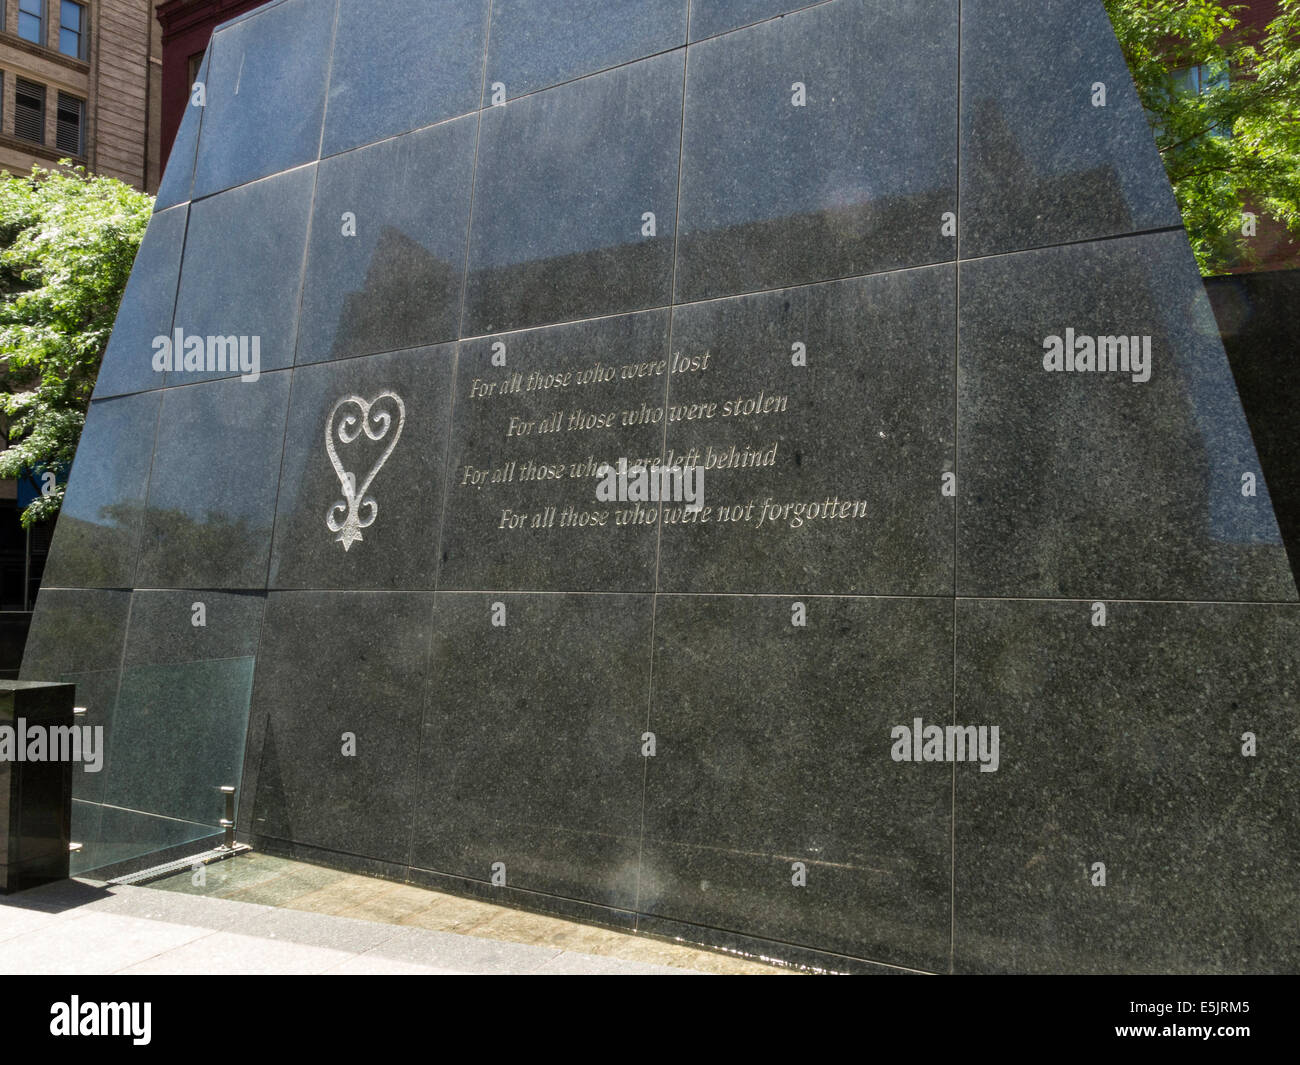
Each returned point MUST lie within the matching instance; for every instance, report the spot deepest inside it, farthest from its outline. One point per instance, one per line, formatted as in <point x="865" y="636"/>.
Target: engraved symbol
<point x="355" y="511"/>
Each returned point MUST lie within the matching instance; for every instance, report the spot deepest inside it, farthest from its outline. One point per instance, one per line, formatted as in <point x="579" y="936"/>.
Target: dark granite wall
<point x="819" y="251"/>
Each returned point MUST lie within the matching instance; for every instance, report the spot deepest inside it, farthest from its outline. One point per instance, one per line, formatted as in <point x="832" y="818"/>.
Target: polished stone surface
<point x="266" y="95"/>
<point x="522" y="510"/>
<point x="210" y="511"/>
<point x="336" y="663"/>
<point x="147" y="308"/>
<point x="402" y="400"/>
<point x="261" y="230"/>
<point x="784" y="447"/>
<point x="387" y="249"/>
<point x="97" y="537"/>
<point x="175" y="627"/>
<point x="75" y="631"/>
<point x="525" y="761"/>
<point x="1094" y="484"/>
<point x="178" y="178"/>
<point x="579" y="239"/>
<point x="402" y="65"/>
<point x="711" y="17"/>
<point x="534" y="46"/>
<point x="1041" y="162"/>
<point x="1123" y="745"/>
<point x="565" y="180"/>
<point x="854" y="181"/>
<point x="872" y="834"/>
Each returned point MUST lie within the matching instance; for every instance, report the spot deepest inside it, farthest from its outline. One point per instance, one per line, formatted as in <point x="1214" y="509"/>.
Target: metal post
<point x="228" y="822"/>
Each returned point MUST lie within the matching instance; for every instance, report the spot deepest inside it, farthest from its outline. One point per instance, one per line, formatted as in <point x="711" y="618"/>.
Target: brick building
<point x="80" y="79"/>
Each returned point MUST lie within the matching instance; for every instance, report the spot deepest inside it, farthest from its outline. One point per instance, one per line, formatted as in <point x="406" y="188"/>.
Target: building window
<point x="29" y="110"/>
<point x="72" y="29"/>
<point x="31" y="20"/>
<point x="70" y="135"/>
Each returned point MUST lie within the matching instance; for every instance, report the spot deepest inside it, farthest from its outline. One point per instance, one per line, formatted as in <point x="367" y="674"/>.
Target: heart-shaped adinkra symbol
<point x="352" y="417"/>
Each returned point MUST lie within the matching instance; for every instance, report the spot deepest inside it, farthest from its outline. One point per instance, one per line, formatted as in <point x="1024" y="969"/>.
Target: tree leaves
<point x="67" y="244"/>
<point x="1235" y="146"/>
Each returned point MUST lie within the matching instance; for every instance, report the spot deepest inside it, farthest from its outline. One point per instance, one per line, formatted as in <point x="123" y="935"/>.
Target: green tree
<point x="67" y="242"/>
<point x="1229" y="133"/>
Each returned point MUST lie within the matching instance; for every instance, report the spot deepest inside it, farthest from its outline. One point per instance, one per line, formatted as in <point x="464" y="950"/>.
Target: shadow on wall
<point x="1261" y="333"/>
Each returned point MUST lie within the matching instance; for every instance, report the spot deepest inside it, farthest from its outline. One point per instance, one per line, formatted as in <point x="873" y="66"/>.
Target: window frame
<point x="42" y="38"/>
<point x="83" y="34"/>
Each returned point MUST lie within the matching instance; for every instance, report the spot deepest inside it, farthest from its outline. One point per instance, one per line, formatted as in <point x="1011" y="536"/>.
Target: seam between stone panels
<point x="398" y="136"/>
<point x="252" y="181"/>
<point x="585" y="77"/>
<point x="763" y="21"/>
<point x="441" y="516"/>
<point x="297" y="321"/>
<point x="329" y="80"/>
<point x="956" y="504"/>
<point x="426" y="692"/>
<point x="473" y="177"/>
<point x="148" y="493"/>
<point x="646" y="592"/>
<point x="663" y="454"/>
<point x="1074" y="243"/>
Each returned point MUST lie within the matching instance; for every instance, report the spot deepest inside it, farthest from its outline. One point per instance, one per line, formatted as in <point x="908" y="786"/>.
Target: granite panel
<point x="1123" y="745"/>
<point x="824" y="477"/>
<point x="1045" y="159"/>
<point x="402" y="65"/>
<point x="522" y="509"/>
<point x="534" y="46"/>
<point x="213" y="488"/>
<point x="857" y="179"/>
<point x="178" y="178"/>
<point x="97" y="537"/>
<point x="390" y="539"/>
<point x="565" y="181"/>
<point x="774" y="748"/>
<point x="264" y="70"/>
<point x="175" y="627"/>
<point x="146" y="309"/>
<point x="1105" y="484"/>
<point x="75" y="631"/>
<point x="530" y="752"/>
<point x="242" y="278"/>
<point x="387" y="255"/>
<point x="333" y="663"/>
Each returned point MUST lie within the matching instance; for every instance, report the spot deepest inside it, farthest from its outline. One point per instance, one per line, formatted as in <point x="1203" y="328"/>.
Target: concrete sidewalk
<point x="82" y="928"/>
